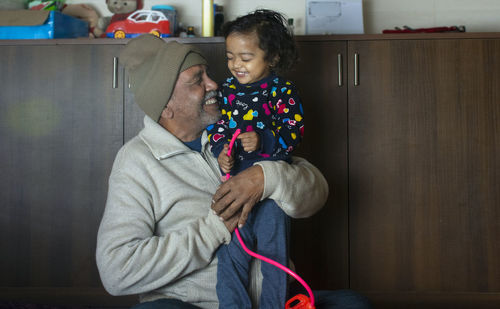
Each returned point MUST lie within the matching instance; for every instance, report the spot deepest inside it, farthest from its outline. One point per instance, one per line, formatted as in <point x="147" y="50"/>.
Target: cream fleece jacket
<point x="158" y="237"/>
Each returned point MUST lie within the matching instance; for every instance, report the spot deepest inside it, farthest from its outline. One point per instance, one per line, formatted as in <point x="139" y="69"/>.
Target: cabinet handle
<point x="339" y="68"/>
<point x="356" y="69"/>
<point x="115" y="72"/>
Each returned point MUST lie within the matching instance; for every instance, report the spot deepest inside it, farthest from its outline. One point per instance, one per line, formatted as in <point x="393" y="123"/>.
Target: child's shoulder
<point x="227" y="82"/>
<point x="282" y="85"/>
<point x="282" y="81"/>
<point x="231" y="85"/>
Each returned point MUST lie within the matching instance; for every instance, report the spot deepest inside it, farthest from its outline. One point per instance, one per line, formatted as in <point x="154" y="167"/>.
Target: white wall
<point x="476" y="15"/>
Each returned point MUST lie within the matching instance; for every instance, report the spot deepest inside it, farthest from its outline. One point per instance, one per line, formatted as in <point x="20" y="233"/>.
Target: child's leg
<point x="233" y="270"/>
<point x="271" y="229"/>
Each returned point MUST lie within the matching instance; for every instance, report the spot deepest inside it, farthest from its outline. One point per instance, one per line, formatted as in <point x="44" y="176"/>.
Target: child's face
<point x="245" y="59"/>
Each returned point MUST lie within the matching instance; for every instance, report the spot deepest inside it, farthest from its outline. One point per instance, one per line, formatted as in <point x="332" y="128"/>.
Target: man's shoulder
<point x="136" y="143"/>
<point x="133" y="150"/>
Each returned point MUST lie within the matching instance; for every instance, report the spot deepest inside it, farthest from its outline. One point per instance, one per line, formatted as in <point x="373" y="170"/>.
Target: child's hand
<point x="225" y="162"/>
<point x="250" y="141"/>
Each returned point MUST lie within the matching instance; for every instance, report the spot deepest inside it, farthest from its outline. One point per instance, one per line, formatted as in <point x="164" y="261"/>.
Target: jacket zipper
<point x="214" y="169"/>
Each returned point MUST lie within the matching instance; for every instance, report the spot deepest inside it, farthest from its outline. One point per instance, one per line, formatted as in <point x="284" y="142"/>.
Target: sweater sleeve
<point x="288" y="117"/>
<point x="131" y="257"/>
<point x="299" y="188"/>
<point x="219" y="133"/>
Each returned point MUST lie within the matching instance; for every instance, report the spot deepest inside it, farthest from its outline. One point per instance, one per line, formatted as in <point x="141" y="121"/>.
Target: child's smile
<point x="245" y="59"/>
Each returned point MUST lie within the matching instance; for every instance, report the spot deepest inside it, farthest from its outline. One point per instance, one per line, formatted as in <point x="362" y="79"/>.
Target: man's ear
<point x="167" y="112"/>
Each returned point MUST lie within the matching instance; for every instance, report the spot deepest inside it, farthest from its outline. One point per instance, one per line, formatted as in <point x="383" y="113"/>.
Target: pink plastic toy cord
<point x="258" y="256"/>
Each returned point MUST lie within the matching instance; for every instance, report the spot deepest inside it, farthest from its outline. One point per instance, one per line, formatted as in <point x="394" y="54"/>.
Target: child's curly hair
<point x="275" y="39"/>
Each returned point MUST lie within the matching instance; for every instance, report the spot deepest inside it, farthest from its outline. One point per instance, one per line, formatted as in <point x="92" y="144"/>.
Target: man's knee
<point x="345" y="299"/>
<point x="165" y="303"/>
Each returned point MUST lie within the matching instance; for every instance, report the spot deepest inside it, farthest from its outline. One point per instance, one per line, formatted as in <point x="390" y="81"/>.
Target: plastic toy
<point x="121" y="9"/>
<point x="142" y="21"/>
<point x="171" y="14"/>
<point x="299" y="301"/>
<point x="47" y="5"/>
<point x="54" y="25"/>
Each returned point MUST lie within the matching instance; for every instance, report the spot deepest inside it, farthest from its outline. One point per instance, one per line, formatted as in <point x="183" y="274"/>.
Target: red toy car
<point x="139" y="22"/>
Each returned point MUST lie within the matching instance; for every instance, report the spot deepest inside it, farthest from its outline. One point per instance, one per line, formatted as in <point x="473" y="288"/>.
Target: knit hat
<point x="153" y="67"/>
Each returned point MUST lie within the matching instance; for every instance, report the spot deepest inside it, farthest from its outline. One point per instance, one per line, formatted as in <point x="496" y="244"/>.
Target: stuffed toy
<point x="121" y="9"/>
<point x="87" y="13"/>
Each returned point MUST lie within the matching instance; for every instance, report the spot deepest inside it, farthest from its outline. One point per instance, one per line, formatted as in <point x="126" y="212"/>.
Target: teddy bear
<point x="121" y="9"/>
<point x="87" y="13"/>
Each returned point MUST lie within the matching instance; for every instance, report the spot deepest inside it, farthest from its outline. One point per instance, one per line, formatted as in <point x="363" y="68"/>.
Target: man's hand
<point x="250" y="141"/>
<point x="236" y="197"/>
<point x="225" y="162"/>
<point x="232" y="222"/>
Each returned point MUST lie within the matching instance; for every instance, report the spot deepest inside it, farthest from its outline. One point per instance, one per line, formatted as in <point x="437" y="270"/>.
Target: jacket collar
<point x="164" y="144"/>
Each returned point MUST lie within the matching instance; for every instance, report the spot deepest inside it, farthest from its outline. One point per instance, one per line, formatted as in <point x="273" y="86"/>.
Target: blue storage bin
<point x="57" y="26"/>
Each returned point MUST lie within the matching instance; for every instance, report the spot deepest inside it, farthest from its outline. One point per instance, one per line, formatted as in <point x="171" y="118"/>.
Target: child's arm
<point x="218" y="135"/>
<point x="289" y="118"/>
<point x="250" y="141"/>
<point x="219" y="132"/>
<point x="225" y="162"/>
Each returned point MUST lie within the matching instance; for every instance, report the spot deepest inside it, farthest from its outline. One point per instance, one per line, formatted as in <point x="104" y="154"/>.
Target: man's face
<point x="194" y="100"/>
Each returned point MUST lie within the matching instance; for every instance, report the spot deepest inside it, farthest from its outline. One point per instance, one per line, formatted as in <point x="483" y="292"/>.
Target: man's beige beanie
<point x="153" y="66"/>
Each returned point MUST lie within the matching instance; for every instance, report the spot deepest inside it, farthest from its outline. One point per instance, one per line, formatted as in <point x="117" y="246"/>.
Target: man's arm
<point x="299" y="189"/>
<point x="131" y="256"/>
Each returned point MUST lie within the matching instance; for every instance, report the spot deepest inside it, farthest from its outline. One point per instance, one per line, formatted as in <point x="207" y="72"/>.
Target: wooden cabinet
<point x="66" y="110"/>
<point x="319" y="246"/>
<point x="62" y="124"/>
<point x="424" y="171"/>
<point x="405" y="129"/>
<point x="410" y="145"/>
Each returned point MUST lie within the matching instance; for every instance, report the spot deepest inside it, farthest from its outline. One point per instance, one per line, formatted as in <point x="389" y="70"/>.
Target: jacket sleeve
<point x="131" y="257"/>
<point x="299" y="188"/>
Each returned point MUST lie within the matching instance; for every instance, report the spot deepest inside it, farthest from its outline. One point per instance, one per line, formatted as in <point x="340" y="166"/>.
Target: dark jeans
<point x="337" y="299"/>
<point x="265" y="232"/>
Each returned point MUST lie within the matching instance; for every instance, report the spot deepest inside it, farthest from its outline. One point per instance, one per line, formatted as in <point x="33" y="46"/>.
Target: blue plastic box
<point x="56" y="26"/>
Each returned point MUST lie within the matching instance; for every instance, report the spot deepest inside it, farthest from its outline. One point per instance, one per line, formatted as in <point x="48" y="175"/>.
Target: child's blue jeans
<point x="266" y="233"/>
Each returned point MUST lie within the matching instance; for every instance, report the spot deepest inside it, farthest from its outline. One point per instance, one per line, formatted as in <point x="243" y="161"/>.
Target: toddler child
<point x="267" y="109"/>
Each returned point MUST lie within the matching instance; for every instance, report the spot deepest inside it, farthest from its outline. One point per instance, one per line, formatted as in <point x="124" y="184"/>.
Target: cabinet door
<point x="61" y="128"/>
<point x="424" y="166"/>
<point x="319" y="245"/>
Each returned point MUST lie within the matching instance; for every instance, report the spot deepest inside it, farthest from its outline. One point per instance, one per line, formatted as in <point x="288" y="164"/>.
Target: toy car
<point x="139" y="22"/>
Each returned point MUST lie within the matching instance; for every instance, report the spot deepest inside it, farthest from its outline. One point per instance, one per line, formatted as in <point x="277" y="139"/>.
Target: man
<point x="167" y="211"/>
